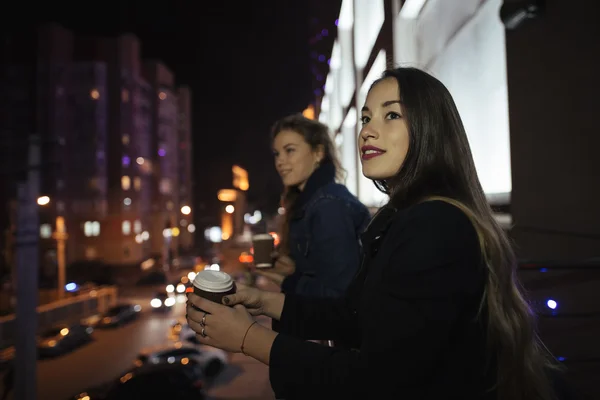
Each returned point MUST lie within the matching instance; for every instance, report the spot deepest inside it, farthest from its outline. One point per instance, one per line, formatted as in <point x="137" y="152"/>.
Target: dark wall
<point x="554" y="102"/>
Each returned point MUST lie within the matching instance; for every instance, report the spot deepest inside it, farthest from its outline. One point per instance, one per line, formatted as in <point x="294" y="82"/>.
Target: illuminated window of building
<point x="125" y="182"/>
<point x="126" y="161"/>
<point x="162" y="95"/>
<point x="125" y="139"/>
<point x="165" y="186"/>
<point x="90" y="253"/>
<point x="137" y="183"/>
<point x="126" y="227"/>
<point x="124" y="95"/>
<point x="91" y="228"/>
<point x="94" y="183"/>
<point x="87" y="228"/>
<point x="95" y="228"/>
<point x="94" y="94"/>
<point x="137" y="226"/>
<point x="45" y="231"/>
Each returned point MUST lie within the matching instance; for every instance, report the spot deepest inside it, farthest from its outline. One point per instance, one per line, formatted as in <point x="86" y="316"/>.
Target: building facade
<point x="463" y="46"/>
<point x="112" y="137"/>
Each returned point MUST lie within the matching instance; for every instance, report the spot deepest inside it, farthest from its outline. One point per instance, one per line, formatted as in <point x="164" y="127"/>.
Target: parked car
<point x="63" y="338"/>
<point x="210" y="359"/>
<point x="182" y="380"/>
<point x="119" y="315"/>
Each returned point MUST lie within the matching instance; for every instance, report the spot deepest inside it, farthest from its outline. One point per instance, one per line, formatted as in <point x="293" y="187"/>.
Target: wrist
<point x="258" y="343"/>
<point x="246" y="336"/>
<point x="273" y="304"/>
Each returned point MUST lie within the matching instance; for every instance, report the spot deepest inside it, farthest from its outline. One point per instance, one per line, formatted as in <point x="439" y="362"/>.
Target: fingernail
<point x="225" y="300"/>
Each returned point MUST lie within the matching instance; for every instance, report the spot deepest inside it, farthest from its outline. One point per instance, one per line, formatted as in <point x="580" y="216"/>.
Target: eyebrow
<point x="384" y="104"/>
<point x="285" y="146"/>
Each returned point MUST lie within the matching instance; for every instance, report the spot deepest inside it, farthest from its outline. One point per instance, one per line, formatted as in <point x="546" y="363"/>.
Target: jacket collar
<point x="322" y="176"/>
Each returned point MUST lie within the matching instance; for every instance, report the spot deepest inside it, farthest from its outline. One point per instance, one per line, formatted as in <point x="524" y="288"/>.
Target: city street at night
<point x="114" y="350"/>
<point x="111" y="353"/>
<point x="414" y="179"/>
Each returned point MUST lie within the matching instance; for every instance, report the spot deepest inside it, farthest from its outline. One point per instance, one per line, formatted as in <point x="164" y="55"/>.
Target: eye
<point x="289" y="150"/>
<point x="393" y="115"/>
<point x="364" y="119"/>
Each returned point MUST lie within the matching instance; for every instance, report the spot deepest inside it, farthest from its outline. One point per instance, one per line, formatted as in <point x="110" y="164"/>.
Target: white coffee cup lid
<point x="262" y="236"/>
<point x="213" y="281"/>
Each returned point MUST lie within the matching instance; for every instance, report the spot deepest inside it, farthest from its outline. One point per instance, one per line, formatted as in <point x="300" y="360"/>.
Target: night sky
<point x="247" y="62"/>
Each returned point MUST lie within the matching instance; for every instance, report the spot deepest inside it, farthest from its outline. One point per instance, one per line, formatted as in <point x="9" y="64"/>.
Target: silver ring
<point x="203" y="321"/>
<point x="203" y="333"/>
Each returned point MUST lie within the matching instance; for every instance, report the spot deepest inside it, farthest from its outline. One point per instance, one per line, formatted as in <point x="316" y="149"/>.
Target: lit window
<point x="125" y="95"/>
<point x="126" y="227"/>
<point x="94" y="94"/>
<point x="45" y="231"/>
<point x="90" y="253"/>
<point x="125" y="182"/>
<point x="126" y="161"/>
<point x="162" y="95"/>
<point x="137" y="226"/>
<point x="165" y="186"/>
<point x="137" y="183"/>
<point x="96" y="228"/>
<point x="91" y="228"/>
<point x="125" y="139"/>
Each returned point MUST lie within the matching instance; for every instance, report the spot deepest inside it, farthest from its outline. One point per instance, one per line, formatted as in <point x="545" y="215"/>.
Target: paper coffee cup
<point x="213" y="285"/>
<point x="263" y="244"/>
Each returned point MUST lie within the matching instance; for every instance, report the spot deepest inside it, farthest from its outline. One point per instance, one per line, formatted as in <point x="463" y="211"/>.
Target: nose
<point x="368" y="132"/>
<point x="278" y="161"/>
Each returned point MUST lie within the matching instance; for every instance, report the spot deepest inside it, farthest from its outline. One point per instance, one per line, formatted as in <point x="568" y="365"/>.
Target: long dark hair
<point x="439" y="163"/>
<point x="317" y="136"/>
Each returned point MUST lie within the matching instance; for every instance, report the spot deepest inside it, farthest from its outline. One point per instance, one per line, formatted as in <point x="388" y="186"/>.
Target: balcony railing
<point x="68" y="310"/>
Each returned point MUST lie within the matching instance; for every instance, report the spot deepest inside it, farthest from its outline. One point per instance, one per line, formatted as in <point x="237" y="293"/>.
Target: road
<point x="114" y="350"/>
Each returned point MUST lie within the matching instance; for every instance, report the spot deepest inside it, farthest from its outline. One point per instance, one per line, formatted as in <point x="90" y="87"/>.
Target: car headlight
<point x="181" y="288"/>
<point x="170" y="288"/>
<point x="169" y="302"/>
<point x="156" y="303"/>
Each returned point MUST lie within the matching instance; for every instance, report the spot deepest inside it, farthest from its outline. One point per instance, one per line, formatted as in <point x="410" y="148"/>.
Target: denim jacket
<point x="324" y="242"/>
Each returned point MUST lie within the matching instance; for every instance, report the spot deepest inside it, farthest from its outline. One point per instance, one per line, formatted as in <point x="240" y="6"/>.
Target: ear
<point x="319" y="153"/>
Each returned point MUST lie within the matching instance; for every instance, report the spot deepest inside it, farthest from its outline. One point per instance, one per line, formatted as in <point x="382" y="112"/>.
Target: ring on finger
<point x="203" y="332"/>
<point x="203" y="321"/>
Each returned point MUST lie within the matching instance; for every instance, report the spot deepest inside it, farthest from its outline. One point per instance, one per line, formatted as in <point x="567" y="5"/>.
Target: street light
<point x="61" y="237"/>
<point x="43" y="200"/>
<point x="186" y="210"/>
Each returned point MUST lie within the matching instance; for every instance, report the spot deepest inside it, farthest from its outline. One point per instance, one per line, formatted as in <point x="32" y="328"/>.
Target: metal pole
<point x="61" y="236"/>
<point x="27" y="259"/>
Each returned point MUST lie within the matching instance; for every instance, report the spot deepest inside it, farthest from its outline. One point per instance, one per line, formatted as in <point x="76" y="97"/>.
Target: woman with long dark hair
<point x="435" y="311"/>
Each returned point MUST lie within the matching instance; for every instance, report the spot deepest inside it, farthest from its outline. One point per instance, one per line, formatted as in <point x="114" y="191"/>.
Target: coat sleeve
<point x="315" y="318"/>
<point x="334" y="255"/>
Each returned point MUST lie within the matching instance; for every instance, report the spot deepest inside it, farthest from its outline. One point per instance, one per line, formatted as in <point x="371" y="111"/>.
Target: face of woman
<point x="384" y="137"/>
<point x="295" y="160"/>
